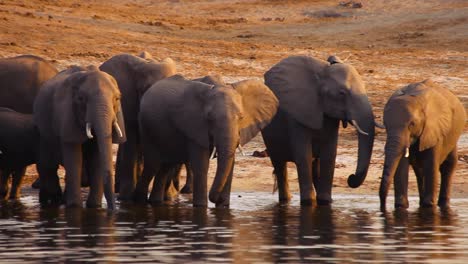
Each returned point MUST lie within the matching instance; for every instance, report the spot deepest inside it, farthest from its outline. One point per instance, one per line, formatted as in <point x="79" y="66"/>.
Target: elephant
<point x="78" y="112"/>
<point x="314" y="96"/>
<point x="21" y="77"/>
<point x="18" y="148"/>
<point x="134" y="75"/>
<point x="181" y="121"/>
<point x="423" y="122"/>
<point x="20" y="80"/>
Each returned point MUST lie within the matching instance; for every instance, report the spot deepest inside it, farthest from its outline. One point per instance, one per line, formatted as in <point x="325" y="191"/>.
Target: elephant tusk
<point x="88" y="131"/>
<point x="379" y="125"/>
<point x="407" y="152"/>
<point x="355" y="124"/>
<point x="241" y="150"/>
<point x="213" y="153"/>
<point x="117" y="128"/>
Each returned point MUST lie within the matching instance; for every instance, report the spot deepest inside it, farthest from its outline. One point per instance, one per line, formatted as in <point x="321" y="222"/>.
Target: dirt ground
<point x="390" y="42"/>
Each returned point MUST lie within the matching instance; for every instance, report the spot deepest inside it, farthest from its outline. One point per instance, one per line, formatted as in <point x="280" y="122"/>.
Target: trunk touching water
<point x="394" y="150"/>
<point x="362" y="114"/>
<point x="225" y="143"/>
<point x="103" y="125"/>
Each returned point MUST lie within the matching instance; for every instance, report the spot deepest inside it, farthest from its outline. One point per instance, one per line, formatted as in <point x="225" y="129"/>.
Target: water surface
<point x="255" y="230"/>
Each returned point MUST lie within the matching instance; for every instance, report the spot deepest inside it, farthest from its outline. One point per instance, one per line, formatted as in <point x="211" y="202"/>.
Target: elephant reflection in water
<point x="428" y="226"/>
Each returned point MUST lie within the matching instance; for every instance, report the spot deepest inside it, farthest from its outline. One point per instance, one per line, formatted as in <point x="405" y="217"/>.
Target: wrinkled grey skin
<point x="19" y="141"/>
<point x="134" y="75"/>
<point x="181" y="121"/>
<point x="423" y="123"/>
<point x="314" y="96"/>
<point x="21" y="77"/>
<point x="79" y="116"/>
<point x="215" y="80"/>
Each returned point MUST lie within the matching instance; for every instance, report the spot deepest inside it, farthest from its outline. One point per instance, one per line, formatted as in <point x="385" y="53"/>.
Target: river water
<point x="256" y="229"/>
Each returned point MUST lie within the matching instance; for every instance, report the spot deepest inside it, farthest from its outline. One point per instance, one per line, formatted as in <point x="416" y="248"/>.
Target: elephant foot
<point x="324" y="202"/>
<point x="36" y="184"/>
<point x="125" y="197"/>
<point x="92" y="205"/>
<point x="3" y="195"/>
<point x="308" y="202"/>
<point x="140" y="198"/>
<point x="403" y="205"/>
<point x="156" y="202"/>
<point x="222" y="205"/>
<point x="14" y="196"/>
<point x="186" y="189"/>
<point x="426" y="204"/>
<point x="444" y="203"/>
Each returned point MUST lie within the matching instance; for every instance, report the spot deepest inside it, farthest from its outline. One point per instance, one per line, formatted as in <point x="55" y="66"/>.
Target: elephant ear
<point x="438" y="116"/>
<point x="296" y="83"/>
<point x="259" y="106"/>
<point x="188" y="111"/>
<point x="66" y="122"/>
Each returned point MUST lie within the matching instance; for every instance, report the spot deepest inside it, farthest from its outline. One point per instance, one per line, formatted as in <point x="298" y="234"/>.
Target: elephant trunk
<point x="103" y="124"/>
<point x="225" y="143"/>
<point x="363" y="120"/>
<point x="394" y="150"/>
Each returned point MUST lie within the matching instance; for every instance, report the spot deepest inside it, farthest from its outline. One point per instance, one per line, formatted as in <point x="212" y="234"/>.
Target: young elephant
<point x="19" y="140"/>
<point x="76" y="110"/>
<point x="423" y="123"/>
<point x="182" y="121"/>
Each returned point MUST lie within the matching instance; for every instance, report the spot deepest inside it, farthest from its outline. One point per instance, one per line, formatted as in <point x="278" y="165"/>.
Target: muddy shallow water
<point x="256" y="229"/>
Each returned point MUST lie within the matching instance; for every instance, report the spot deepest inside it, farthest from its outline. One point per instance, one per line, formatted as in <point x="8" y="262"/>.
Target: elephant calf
<point x="423" y="123"/>
<point x="18" y="145"/>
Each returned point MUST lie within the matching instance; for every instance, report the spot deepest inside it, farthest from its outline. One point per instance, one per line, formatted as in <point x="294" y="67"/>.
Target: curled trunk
<point x="362" y="114"/>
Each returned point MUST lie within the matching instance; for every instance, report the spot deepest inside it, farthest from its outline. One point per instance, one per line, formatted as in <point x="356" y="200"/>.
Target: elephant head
<point x="309" y="90"/>
<point x="420" y="115"/>
<point x="222" y="116"/>
<point x="134" y="76"/>
<point x="80" y="104"/>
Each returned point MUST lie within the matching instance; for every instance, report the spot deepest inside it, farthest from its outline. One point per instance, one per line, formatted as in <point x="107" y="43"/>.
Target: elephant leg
<point x="226" y="192"/>
<point x="118" y="161"/>
<point x="72" y="161"/>
<point x="4" y="182"/>
<point x="327" y="157"/>
<point x="401" y="184"/>
<point x="188" y="187"/>
<point x="95" y="177"/>
<point x="16" y="183"/>
<point x="199" y="159"/>
<point x="127" y="169"/>
<point x="447" y="169"/>
<point x="430" y="172"/>
<point x="281" y="174"/>
<point x="172" y="185"/>
<point x="152" y="166"/>
<point x="47" y="166"/>
<point x="418" y="171"/>
<point x="161" y="180"/>
<point x="302" y="152"/>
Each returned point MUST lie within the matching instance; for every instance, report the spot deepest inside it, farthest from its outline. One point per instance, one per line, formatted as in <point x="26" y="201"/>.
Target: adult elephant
<point x="314" y="96"/>
<point x="134" y="75"/>
<point x="19" y="141"/>
<point x="76" y="110"/>
<point x="21" y="77"/>
<point x="423" y="123"/>
<point x="181" y="121"/>
<point x="20" y="80"/>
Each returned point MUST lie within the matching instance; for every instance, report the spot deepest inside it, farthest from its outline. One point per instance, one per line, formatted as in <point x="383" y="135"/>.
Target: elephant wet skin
<point x="423" y="123"/>
<point x="314" y="97"/>
<point x="78" y="109"/>
<point x="134" y="75"/>
<point x="19" y="141"/>
<point x="181" y="121"/>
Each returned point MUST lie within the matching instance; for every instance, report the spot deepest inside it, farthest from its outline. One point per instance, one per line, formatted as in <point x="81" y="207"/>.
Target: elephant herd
<point x="163" y="121"/>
